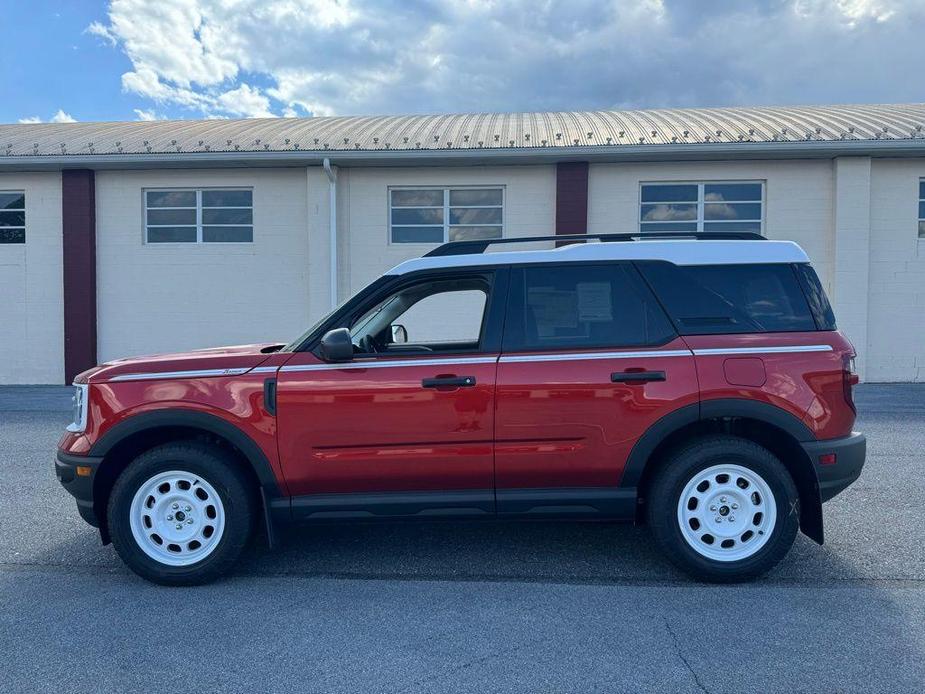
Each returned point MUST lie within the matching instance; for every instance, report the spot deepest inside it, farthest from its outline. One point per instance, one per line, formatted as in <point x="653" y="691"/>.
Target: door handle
<point x="636" y="376"/>
<point x="448" y="382"/>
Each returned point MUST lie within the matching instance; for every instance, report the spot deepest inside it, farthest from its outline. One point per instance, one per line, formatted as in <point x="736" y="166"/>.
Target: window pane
<point x="12" y="219"/>
<point x="171" y="234"/>
<point x="226" y="216"/>
<point x="581" y="307"/>
<point x="171" y="198"/>
<point x="417" y="234"/>
<point x="815" y="296"/>
<point x="725" y="192"/>
<point x="738" y="210"/>
<point x="426" y="321"/>
<point x="227" y="198"/>
<point x="476" y="196"/>
<point x="922" y="230"/>
<point x="722" y="299"/>
<point x="411" y="215"/>
<point x="227" y="234"/>
<point x="417" y="198"/>
<point x="922" y="189"/>
<point x="12" y="235"/>
<point x="668" y="226"/>
<point x="173" y="217"/>
<point x="732" y="226"/>
<point x="669" y="193"/>
<point x="12" y="201"/>
<point x="475" y="215"/>
<point x="474" y="233"/>
<point x="922" y="210"/>
<point x="668" y="213"/>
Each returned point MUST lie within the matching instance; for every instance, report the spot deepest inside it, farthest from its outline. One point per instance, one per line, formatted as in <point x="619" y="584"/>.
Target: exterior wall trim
<point x="78" y="227"/>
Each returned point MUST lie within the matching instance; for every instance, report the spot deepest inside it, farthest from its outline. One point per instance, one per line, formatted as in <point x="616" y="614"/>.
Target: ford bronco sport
<point x="697" y="384"/>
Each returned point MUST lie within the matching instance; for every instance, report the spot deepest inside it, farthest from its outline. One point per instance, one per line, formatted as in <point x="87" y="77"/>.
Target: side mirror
<point x="337" y="345"/>
<point x="399" y="334"/>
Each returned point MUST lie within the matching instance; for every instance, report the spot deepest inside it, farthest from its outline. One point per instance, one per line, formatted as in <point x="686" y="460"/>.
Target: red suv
<point x="697" y="385"/>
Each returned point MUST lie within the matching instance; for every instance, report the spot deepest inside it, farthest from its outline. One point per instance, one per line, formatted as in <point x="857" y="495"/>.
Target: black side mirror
<point x="337" y="345"/>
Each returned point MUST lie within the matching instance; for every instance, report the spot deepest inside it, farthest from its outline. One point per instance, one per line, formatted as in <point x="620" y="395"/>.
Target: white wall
<point x="896" y="303"/>
<point x="31" y="286"/>
<point x="798" y="199"/>
<point x="168" y="297"/>
<point x="363" y="211"/>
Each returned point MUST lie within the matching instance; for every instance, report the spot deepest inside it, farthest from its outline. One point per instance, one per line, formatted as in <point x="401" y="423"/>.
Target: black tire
<point x="213" y="465"/>
<point x="681" y="466"/>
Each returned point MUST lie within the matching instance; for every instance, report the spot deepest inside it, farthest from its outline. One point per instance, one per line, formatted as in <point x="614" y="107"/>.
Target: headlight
<point x="80" y="408"/>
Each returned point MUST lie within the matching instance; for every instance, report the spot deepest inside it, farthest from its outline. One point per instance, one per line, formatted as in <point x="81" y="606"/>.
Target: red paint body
<point x="543" y="424"/>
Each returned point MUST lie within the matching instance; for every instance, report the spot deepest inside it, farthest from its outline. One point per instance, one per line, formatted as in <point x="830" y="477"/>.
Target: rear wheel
<point x="724" y="509"/>
<point x="180" y="514"/>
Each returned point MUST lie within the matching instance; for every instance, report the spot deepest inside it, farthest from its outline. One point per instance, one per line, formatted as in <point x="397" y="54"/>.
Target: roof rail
<point x="481" y="245"/>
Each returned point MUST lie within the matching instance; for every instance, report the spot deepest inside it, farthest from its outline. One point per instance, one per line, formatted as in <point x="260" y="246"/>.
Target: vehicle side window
<point x="429" y="316"/>
<point x="815" y="295"/>
<point x="725" y="299"/>
<point x="582" y="306"/>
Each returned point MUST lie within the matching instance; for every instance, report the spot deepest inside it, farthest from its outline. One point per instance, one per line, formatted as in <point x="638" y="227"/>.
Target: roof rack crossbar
<point x="481" y="245"/>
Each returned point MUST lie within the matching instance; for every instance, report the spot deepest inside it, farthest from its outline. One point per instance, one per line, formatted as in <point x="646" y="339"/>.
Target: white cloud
<point x="264" y="57"/>
<point x="143" y="114"/>
<point x="98" y="29"/>
<point x="59" y="117"/>
<point x="62" y="117"/>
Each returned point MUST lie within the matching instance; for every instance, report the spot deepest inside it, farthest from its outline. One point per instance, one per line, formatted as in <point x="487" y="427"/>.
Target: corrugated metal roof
<point x="548" y="132"/>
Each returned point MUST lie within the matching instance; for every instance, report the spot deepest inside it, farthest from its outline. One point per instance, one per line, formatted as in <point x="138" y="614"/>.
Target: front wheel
<point x="724" y="509"/>
<point x="180" y="514"/>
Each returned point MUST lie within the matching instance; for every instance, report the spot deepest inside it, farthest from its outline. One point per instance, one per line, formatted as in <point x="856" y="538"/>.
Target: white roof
<point x="677" y="251"/>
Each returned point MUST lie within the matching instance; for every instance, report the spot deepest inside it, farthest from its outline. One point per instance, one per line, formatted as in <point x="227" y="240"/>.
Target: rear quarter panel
<point x="807" y="384"/>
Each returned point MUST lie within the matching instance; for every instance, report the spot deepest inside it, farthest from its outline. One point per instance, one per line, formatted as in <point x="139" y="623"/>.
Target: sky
<point x="147" y="59"/>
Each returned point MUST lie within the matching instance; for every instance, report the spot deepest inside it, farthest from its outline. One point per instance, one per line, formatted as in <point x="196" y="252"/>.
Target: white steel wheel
<point x="177" y="518"/>
<point x="727" y="512"/>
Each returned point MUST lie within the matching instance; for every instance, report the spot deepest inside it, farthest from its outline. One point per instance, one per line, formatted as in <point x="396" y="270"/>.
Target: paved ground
<point x="453" y="607"/>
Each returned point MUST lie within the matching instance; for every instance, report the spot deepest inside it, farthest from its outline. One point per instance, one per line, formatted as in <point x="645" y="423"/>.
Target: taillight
<point x="850" y="379"/>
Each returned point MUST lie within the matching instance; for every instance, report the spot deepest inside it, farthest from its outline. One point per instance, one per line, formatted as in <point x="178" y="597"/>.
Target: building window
<point x="922" y="209"/>
<point x="729" y="206"/>
<point x="436" y="215"/>
<point x="208" y="215"/>
<point x="12" y="217"/>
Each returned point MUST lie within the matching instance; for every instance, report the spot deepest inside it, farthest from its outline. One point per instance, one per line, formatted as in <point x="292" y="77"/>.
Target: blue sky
<point x="131" y="59"/>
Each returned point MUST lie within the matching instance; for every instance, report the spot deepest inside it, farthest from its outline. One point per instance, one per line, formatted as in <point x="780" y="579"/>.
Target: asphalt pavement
<point x="453" y="607"/>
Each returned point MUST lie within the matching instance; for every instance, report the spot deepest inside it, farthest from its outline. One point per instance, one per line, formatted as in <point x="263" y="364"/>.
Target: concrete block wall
<point x="169" y="297"/>
<point x="31" y="286"/>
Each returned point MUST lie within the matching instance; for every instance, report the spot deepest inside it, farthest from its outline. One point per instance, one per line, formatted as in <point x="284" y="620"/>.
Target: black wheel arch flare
<point x="642" y="454"/>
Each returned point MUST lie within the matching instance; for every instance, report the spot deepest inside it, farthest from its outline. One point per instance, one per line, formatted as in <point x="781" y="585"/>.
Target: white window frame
<point x="700" y="204"/>
<point x="920" y="233"/>
<point x="17" y="209"/>
<point x="446" y="211"/>
<point x="198" y="241"/>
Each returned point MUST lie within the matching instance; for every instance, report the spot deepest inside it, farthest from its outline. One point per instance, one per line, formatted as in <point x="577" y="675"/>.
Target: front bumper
<point x="849" y="451"/>
<point x="80" y="486"/>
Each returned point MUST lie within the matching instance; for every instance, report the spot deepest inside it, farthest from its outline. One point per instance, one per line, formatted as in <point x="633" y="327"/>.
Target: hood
<point x="236" y="359"/>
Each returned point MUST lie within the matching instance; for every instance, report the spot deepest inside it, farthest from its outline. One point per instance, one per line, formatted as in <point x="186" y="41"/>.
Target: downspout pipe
<point x="331" y="173"/>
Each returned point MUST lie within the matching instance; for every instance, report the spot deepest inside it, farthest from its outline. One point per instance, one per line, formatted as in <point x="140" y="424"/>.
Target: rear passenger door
<point x="589" y="361"/>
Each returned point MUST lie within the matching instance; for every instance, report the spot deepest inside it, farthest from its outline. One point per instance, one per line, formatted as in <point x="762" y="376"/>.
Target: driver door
<point x="407" y="427"/>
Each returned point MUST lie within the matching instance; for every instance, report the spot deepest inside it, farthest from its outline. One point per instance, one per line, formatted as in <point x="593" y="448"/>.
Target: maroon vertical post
<point x="572" y="197"/>
<point x="78" y="213"/>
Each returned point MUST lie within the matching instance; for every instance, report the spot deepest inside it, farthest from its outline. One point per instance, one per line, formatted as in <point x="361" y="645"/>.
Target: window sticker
<point x="594" y="304"/>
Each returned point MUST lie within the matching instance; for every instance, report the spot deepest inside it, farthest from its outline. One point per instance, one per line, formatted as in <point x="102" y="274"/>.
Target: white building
<point x="119" y="239"/>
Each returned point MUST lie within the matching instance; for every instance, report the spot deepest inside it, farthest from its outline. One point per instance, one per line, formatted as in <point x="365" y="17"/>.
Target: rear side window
<point x="815" y="295"/>
<point x="722" y="299"/>
<point x="582" y="306"/>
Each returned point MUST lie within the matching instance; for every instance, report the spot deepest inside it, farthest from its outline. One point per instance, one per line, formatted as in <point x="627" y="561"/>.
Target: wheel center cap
<point x="723" y="511"/>
<point x="180" y="515"/>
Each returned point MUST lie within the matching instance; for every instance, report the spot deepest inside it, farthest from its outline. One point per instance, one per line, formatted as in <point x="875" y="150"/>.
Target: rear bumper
<point x="79" y="486"/>
<point x="849" y="451"/>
